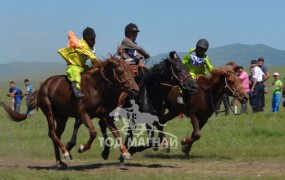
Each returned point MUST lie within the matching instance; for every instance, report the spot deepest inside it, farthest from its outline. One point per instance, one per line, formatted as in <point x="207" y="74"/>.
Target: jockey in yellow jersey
<point x="76" y="55"/>
<point x="197" y="60"/>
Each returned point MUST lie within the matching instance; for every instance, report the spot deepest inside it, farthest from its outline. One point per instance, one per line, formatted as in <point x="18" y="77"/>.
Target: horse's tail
<point x="33" y="100"/>
<point x="17" y="117"/>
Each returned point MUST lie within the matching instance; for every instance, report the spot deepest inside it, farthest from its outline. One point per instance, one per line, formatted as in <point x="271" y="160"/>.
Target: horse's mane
<point x="102" y="64"/>
<point x="154" y="73"/>
<point x="208" y="81"/>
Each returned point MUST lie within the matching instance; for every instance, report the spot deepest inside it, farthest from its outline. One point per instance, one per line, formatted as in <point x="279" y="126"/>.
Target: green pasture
<point x="248" y="146"/>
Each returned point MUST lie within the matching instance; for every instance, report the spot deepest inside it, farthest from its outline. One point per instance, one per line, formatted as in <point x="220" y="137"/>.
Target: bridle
<point x="234" y="95"/>
<point x="232" y="90"/>
<point x="181" y="85"/>
<point x="116" y="77"/>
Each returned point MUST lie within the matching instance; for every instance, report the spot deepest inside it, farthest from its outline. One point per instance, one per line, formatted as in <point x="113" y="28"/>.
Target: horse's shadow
<point x="175" y="156"/>
<point x="183" y="157"/>
<point x="101" y="165"/>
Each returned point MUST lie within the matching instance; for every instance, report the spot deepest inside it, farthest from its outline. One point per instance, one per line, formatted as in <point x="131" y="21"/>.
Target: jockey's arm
<point x="128" y="44"/>
<point x="209" y="65"/>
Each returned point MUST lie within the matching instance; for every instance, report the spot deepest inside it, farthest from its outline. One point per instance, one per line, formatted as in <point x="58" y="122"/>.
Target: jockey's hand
<point x="146" y="56"/>
<point x="141" y="64"/>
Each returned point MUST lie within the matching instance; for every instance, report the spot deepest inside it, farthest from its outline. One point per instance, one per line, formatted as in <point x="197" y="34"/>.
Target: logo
<point x="135" y="122"/>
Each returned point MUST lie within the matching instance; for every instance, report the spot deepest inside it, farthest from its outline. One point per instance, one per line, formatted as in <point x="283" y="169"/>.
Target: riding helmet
<point x="89" y="33"/>
<point x="131" y="28"/>
<point x="203" y="43"/>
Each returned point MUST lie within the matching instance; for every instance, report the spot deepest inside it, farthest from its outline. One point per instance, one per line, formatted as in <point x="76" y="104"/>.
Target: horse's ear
<point x="114" y="61"/>
<point x="120" y="52"/>
<point x="233" y="65"/>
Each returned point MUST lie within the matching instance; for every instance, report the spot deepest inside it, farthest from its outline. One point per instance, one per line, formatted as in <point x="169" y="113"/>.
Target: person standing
<point x="276" y="98"/>
<point x="225" y="100"/>
<point x="265" y="77"/>
<point x="16" y="94"/>
<point x="257" y="88"/>
<point x="243" y="76"/>
<point x="28" y="93"/>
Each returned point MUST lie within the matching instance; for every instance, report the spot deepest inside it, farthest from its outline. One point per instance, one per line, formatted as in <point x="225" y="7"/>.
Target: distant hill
<point x="239" y="53"/>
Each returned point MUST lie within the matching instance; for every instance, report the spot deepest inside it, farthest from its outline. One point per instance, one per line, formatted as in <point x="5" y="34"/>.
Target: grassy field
<point x="248" y="146"/>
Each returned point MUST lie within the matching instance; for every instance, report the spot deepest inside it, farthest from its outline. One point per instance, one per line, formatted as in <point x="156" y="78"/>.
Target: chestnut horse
<point x="102" y="86"/>
<point x="153" y="92"/>
<point x="202" y="105"/>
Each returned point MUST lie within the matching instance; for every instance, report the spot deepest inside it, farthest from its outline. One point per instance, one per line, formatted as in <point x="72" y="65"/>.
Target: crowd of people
<point x="79" y="51"/>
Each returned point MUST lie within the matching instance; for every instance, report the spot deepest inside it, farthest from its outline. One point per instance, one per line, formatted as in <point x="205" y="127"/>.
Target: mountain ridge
<point x="240" y="53"/>
<point x="219" y="56"/>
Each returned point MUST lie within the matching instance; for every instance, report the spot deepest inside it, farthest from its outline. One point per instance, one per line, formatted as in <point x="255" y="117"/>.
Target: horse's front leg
<point x="92" y="132"/>
<point x="160" y="126"/>
<point x="70" y="144"/>
<point x="110" y="123"/>
<point x="187" y="142"/>
<point x="105" y="153"/>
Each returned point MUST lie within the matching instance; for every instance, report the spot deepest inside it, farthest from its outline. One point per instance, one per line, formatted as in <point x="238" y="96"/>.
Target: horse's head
<point x="179" y="74"/>
<point x="116" y="72"/>
<point x="233" y="85"/>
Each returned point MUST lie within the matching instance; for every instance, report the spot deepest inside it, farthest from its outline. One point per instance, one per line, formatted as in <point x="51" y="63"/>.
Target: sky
<point x="33" y="30"/>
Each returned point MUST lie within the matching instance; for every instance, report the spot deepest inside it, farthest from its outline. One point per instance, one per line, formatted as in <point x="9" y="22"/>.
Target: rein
<point x="176" y="77"/>
<point x="234" y="94"/>
<point x="115" y="76"/>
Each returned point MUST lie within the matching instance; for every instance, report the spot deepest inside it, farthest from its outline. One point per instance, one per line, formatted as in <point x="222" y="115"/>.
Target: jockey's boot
<point x="76" y="91"/>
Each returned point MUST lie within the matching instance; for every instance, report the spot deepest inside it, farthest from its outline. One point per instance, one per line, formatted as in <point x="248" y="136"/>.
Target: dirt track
<point x="213" y="168"/>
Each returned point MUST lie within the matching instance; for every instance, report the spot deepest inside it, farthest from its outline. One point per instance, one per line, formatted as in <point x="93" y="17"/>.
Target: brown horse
<point x="102" y="86"/>
<point x="202" y="105"/>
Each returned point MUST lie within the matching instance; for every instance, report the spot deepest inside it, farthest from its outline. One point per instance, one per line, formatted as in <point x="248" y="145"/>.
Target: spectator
<point x="13" y="100"/>
<point x="265" y="77"/>
<point x="276" y="92"/>
<point x="225" y="100"/>
<point x="28" y="94"/>
<point x="245" y="83"/>
<point x="257" y="88"/>
<point x="250" y="82"/>
<point x="283" y="95"/>
<point x="16" y="94"/>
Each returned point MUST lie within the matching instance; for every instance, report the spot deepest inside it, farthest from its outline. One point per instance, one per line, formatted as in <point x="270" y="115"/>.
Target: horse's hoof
<point x="166" y="149"/>
<point x="155" y="148"/>
<point x="67" y="156"/>
<point x="61" y="165"/>
<point x="132" y="150"/>
<point x="105" y="155"/>
<point x="183" y="141"/>
<point x="81" y="149"/>
<point x="185" y="150"/>
<point x="127" y="156"/>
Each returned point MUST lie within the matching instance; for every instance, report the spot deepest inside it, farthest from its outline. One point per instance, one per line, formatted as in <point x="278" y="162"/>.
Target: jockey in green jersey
<point x="197" y="60"/>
